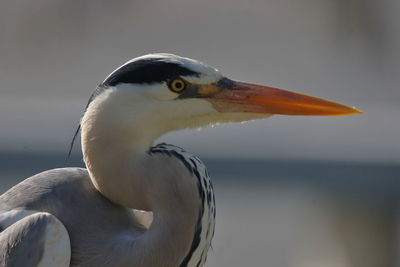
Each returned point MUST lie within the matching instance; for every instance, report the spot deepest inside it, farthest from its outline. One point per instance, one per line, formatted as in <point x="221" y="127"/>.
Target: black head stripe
<point x="149" y="70"/>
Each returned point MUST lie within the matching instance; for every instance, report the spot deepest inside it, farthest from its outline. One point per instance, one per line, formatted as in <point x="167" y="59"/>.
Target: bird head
<point x="166" y="92"/>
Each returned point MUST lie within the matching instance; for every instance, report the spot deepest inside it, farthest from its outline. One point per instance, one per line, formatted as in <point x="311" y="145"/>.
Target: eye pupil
<point x="177" y="85"/>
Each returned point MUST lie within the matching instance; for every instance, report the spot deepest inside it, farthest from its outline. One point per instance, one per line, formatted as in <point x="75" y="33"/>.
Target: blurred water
<point x="284" y="213"/>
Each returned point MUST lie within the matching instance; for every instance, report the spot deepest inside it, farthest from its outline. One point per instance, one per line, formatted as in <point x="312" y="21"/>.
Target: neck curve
<point x="122" y="169"/>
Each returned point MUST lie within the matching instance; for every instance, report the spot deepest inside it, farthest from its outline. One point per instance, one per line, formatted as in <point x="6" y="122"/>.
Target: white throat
<point x="119" y="128"/>
<point x="115" y="148"/>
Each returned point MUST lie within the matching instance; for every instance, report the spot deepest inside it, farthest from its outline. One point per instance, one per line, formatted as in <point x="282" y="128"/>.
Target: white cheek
<point x="196" y="106"/>
<point x="185" y="109"/>
<point x="159" y="92"/>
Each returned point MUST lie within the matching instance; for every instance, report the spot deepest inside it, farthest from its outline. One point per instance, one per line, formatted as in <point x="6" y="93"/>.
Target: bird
<point x="138" y="203"/>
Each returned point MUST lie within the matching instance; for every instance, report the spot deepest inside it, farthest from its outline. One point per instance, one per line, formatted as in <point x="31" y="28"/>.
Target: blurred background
<point x="291" y="191"/>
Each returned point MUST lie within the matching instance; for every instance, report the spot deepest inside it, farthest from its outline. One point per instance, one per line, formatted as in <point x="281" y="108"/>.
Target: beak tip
<point x="356" y="110"/>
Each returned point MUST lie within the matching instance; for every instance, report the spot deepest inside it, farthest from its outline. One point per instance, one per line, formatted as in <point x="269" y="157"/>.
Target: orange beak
<point x="236" y="96"/>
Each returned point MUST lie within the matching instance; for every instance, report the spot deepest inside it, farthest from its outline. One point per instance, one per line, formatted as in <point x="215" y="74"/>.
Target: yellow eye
<point x="177" y="85"/>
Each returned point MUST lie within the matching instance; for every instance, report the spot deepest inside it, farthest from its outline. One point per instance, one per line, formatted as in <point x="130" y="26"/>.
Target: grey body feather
<point x="16" y="242"/>
<point x="97" y="227"/>
<point x="100" y="232"/>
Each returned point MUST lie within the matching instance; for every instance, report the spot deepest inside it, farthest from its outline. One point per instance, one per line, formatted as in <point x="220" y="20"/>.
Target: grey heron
<point x="84" y="217"/>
